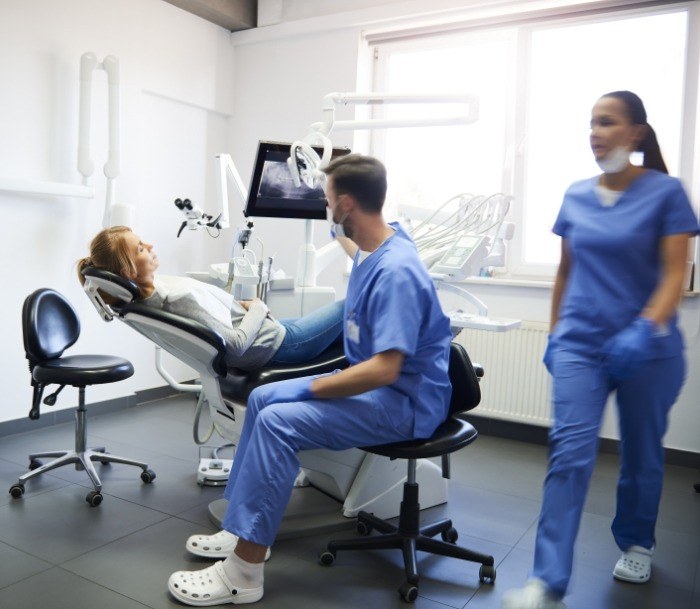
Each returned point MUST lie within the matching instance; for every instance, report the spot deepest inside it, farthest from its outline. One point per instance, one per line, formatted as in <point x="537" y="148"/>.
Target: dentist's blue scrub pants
<point x="580" y="392"/>
<point x="262" y="479"/>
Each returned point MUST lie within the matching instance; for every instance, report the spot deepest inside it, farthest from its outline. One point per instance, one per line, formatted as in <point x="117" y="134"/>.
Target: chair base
<point x="409" y="537"/>
<point x="83" y="460"/>
<point x="82" y="457"/>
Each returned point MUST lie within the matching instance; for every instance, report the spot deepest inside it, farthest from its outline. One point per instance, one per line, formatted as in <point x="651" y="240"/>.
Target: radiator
<point x="516" y="385"/>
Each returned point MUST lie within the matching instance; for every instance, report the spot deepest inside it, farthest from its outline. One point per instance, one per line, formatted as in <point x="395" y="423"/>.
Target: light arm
<point x="560" y="283"/>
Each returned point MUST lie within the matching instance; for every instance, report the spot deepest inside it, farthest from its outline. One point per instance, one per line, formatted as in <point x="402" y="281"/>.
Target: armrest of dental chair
<point x="238" y="384"/>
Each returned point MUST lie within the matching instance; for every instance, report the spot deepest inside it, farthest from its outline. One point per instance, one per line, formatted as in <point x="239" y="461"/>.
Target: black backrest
<point x="50" y="325"/>
<point x="466" y="393"/>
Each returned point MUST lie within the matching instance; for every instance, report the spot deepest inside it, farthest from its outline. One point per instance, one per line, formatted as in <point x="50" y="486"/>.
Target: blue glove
<point x="293" y="390"/>
<point x="625" y="352"/>
<point x="548" y="356"/>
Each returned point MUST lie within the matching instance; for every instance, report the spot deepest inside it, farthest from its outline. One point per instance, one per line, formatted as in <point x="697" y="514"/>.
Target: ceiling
<point x="233" y="15"/>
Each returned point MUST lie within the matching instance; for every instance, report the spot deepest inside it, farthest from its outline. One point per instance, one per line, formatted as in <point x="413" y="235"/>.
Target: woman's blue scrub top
<point x="616" y="259"/>
<point x="392" y="304"/>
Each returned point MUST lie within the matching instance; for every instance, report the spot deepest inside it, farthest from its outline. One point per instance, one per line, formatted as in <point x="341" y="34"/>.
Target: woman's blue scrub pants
<point x="580" y="392"/>
<point x="266" y="464"/>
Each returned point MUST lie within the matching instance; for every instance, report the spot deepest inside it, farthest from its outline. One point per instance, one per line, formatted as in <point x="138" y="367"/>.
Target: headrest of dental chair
<point x="123" y="290"/>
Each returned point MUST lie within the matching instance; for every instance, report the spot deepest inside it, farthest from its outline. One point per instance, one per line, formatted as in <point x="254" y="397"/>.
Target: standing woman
<point x="613" y="328"/>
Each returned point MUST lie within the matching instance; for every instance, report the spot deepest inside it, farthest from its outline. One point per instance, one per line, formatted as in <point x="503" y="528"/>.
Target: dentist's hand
<point x="293" y="390"/>
<point x="625" y="351"/>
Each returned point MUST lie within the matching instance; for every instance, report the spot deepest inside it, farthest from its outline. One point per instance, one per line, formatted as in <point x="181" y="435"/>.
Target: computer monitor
<point x="272" y="191"/>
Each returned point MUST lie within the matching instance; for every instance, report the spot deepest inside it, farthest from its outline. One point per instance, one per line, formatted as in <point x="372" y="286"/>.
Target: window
<point x="536" y="83"/>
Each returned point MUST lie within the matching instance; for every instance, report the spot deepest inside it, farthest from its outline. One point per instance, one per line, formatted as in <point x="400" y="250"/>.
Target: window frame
<point x="521" y="30"/>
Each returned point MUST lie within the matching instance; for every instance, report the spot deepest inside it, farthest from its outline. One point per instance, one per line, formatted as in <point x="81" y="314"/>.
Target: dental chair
<point x="333" y="486"/>
<point x="50" y="326"/>
<point x="408" y="535"/>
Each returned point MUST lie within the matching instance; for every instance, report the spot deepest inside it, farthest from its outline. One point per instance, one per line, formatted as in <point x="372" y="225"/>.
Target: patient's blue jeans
<point x="309" y="336"/>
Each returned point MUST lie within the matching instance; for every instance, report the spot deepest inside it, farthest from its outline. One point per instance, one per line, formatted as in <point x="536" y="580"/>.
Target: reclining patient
<point x="253" y="337"/>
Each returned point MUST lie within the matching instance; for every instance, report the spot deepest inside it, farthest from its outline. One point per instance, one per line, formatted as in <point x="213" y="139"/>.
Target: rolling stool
<point x="409" y="536"/>
<point x="50" y="326"/>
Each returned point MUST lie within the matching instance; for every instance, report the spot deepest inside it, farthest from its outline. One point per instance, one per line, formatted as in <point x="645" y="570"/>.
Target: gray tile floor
<point x="57" y="552"/>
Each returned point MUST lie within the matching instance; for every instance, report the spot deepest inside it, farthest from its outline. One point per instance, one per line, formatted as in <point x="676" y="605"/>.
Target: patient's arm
<point x="379" y="370"/>
<point x="239" y="339"/>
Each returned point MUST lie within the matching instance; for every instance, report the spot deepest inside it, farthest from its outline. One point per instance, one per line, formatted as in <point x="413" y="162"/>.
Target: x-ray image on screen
<point x="273" y="192"/>
<point x="276" y="182"/>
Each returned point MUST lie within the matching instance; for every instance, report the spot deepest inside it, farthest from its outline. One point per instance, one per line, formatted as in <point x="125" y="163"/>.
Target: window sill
<point x="510" y="282"/>
<point x="531" y="283"/>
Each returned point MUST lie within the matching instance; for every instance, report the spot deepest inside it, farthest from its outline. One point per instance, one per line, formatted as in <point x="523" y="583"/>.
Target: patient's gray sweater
<point x="252" y="337"/>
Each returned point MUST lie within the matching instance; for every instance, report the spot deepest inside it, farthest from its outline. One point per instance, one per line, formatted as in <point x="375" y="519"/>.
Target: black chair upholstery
<point x="50" y="326"/>
<point x="408" y="535"/>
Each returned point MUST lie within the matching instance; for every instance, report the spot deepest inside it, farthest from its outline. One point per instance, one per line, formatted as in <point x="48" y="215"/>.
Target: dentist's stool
<point x="51" y="326"/>
<point x="409" y="536"/>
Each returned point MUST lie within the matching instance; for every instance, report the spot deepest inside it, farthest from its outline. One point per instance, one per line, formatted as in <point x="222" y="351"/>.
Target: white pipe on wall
<point x="88" y="62"/>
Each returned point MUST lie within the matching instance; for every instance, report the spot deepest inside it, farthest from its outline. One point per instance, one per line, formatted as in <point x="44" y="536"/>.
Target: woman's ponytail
<point x="649" y="147"/>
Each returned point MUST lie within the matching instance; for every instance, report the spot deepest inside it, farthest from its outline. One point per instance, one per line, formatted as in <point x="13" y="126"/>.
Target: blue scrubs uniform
<point x="615" y="268"/>
<point x="391" y="304"/>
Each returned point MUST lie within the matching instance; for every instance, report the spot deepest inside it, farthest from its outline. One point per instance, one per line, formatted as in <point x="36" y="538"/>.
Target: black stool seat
<point x="453" y="434"/>
<point x="82" y="370"/>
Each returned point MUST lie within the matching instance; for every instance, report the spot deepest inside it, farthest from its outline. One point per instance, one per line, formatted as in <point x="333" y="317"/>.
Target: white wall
<point x="177" y="96"/>
<point x="282" y="74"/>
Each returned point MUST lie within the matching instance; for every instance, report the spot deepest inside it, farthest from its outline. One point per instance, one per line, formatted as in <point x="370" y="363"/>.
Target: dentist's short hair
<point x="361" y="177"/>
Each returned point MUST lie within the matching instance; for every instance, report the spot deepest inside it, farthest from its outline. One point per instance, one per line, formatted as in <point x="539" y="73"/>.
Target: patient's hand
<point x="246" y="304"/>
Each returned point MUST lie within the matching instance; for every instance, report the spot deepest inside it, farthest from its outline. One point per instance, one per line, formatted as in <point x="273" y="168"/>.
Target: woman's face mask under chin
<point x="615" y="161"/>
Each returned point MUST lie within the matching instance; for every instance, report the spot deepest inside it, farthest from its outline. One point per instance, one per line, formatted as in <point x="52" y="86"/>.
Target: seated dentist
<point x="397" y="341"/>
<point x="253" y="337"/>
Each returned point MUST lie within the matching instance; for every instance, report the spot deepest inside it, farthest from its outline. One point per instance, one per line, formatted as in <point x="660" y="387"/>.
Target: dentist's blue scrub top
<point x="392" y="304"/>
<point x="616" y="259"/>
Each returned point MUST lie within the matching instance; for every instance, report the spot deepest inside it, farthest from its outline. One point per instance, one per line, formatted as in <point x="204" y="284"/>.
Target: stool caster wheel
<point x="487" y="573"/>
<point x="35" y="464"/>
<point x="148" y="476"/>
<point x="17" y="490"/>
<point x="363" y="528"/>
<point x="450" y="535"/>
<point x="94" y="498"/>
<point x="326" y="558"/>
<point x="408" y="592"/>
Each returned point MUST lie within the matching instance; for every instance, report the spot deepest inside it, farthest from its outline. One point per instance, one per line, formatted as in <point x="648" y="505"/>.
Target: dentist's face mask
<point x="615" y="161"/>
<point x="337" y="228"/>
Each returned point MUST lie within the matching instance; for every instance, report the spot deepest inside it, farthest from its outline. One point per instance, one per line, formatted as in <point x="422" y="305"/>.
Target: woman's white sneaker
<point x="634" y="565"/>
<point x="535" y="595"/>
